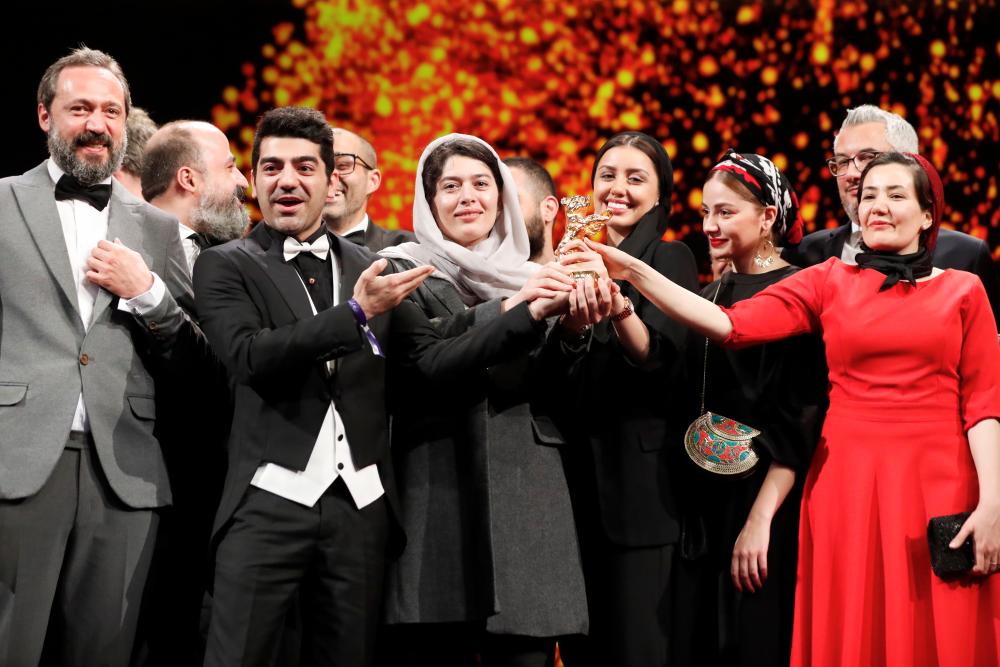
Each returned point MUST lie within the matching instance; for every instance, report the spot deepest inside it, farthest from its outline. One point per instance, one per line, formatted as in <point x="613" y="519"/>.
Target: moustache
<point x="88" y="138"/>
<point x="240" y="195"/>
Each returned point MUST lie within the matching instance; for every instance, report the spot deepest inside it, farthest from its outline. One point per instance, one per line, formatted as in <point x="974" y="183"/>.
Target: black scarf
<point x="896" y="267"/>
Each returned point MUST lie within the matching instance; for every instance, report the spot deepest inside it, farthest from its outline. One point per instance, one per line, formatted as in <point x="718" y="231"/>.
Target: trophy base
<point x="583" y="275"/>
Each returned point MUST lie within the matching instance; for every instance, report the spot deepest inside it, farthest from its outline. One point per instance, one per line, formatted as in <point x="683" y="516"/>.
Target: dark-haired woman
<point x="626" y="381"/>
<point x="742" y="588"/>
<point x="912" y="432"/>
<point x="492" y="565"/>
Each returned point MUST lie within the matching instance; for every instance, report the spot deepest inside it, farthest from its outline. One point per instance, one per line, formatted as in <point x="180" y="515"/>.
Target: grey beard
<point x="87" y="173"/>
<point x="220" y="221"/>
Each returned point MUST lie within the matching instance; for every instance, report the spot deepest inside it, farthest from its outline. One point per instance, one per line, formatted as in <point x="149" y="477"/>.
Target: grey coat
<point x="47" y="357"/>
<point x="484" y="500"/>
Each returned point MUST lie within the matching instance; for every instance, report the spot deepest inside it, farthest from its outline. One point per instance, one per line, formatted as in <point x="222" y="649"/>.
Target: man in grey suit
<point x="358" y="178"/>
<point x="84" y="324"/>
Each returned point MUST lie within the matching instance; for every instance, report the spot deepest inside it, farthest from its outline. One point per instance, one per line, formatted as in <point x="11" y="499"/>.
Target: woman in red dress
<point x="912" y="432"/>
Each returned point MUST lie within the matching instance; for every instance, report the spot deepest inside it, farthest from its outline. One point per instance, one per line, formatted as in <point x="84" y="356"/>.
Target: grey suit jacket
<point x="47" y="357"/>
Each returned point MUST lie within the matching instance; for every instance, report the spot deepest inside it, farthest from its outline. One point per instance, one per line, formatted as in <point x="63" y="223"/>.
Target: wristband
<point x="359" y="317"/>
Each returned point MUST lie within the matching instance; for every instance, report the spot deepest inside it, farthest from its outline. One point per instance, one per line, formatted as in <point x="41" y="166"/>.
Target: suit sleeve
<point x="237" y="331"/>
<point x="439" y="360"/>
<point x="171" y="325"/>
<point x="979" y="365"/>
<point x="986" y="269"/>
<point x="786" y="308"/>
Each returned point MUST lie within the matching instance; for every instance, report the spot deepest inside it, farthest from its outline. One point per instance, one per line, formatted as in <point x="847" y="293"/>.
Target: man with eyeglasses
<point x="866" y="132"/>
<point x="346" y="210"/>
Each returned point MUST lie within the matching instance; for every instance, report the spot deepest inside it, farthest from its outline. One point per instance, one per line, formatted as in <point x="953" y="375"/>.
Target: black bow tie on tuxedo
<point x="200" y="240"/>
<point x="95" y="195"/>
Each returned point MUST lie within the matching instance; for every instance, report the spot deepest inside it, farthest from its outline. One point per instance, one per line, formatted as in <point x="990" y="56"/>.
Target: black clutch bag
<point x="945" y="561"/>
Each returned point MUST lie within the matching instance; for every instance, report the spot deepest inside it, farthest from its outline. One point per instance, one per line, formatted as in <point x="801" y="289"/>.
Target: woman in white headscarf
<point x="492" y="558"/>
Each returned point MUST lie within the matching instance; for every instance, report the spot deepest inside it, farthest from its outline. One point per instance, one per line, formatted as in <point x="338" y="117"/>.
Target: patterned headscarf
<point x="770" y="187"/>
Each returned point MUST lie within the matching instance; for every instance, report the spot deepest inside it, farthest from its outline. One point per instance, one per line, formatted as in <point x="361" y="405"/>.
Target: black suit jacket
<point x="954" y="250"/>
<point x="257" y="317"/>
<point x="377" y="238"/>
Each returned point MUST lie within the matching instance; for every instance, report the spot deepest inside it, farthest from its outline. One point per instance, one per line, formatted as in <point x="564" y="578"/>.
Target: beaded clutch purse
<point x="719" y="444"/>
<point x="945" y="561"/>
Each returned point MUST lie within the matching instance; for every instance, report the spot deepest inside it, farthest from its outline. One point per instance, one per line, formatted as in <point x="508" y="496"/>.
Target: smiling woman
<point x="492" y="564"/>
<point x="912" y="433"/>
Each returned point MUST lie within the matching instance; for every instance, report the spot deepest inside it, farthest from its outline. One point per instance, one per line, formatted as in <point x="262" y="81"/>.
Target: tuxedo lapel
<point x="125" y="224"/>
<point x="42" y="220"/>
<point x="352" y="262"/>
<point x="268" y="256"/>
<point x="838" y="238"/>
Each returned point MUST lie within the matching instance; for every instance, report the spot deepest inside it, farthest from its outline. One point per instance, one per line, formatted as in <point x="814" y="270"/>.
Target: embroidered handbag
<point x="719" y="444"/>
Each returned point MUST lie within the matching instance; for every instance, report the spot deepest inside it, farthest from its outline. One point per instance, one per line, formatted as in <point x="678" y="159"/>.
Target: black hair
<point x="297" y="123"/>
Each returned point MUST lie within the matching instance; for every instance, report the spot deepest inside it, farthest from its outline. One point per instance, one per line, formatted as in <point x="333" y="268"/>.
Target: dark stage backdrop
<point x="554" y="79"/>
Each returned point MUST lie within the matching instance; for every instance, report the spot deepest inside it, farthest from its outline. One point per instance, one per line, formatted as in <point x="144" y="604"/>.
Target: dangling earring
<point x="766" y="249"/>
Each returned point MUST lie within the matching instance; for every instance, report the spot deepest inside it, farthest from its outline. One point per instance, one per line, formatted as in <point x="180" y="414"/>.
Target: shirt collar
<point x="360" y="227"/>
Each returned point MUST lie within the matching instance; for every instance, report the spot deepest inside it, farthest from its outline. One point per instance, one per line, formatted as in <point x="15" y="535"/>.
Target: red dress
<point x="911" y="370"/>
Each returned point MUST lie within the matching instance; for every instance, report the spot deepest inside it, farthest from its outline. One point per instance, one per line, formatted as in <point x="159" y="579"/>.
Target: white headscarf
<point x="495" y="267"/>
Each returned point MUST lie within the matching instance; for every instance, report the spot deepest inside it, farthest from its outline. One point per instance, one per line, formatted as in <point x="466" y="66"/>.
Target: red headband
<point x="937" y="190"/>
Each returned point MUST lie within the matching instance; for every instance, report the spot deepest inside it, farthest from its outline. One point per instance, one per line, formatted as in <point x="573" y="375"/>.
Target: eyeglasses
<point x="838" y="165"/>
<point x="343" y="163"/>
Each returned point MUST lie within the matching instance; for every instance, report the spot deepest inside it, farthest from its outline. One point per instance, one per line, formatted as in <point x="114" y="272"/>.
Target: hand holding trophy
<point x="579" y="227"/>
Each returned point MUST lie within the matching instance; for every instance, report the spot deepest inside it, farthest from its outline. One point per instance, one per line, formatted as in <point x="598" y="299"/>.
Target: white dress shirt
<point x="852" y="246"/>
<point x="331" y="455"/>
<point x="191" y="249"/>
<point x="83" y="226"/>
<point x="360" y="227"/>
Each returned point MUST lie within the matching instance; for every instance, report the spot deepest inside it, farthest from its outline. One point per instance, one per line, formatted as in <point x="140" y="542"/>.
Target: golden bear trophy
<point x="580" y="226"/>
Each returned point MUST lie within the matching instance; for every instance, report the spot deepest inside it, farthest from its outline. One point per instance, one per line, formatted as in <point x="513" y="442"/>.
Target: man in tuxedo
<point x="190" y="172"/>
<point x="358" y="177"/>
<point x="305" y="325"/>
<point x="867" y="131"/>
<point x="85" y="324"/>
<point x="536" y="192"/>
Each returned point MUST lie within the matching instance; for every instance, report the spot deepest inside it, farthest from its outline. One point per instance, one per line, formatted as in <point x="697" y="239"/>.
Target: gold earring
<point x="767" y="249"/>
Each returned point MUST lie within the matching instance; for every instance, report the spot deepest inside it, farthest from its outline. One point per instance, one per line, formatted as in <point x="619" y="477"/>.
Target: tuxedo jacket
<point x="378" y="238"/>
<point x="257" y="317"/>
<point x="47" y="357"/>
<point x="954" y="250"/>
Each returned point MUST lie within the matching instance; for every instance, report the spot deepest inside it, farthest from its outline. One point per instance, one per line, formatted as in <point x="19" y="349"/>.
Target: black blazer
<point x="258" y="320"/>
<point x="378" y="238"/>
<point x="954" y="250"/>
<point x="631" y="418"/>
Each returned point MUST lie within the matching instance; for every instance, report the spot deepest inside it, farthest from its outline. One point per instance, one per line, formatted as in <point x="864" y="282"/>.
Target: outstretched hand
<point x="617" y="262"/>
<point x="376" y="293"/>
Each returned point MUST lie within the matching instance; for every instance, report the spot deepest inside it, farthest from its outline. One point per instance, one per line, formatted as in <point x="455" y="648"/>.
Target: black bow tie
<point x="357" y="237"/>
<point x="95" y="195"/>
<point x="199" y="240"/>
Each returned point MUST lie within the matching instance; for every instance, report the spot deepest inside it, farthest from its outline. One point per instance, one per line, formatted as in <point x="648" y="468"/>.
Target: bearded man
<point x="90" y="283"/>
<point x="189" y="171"/>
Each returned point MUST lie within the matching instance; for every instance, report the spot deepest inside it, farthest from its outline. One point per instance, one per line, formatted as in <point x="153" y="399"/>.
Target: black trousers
<point x="332" y="555"/>
<point x="73" y="564"/>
